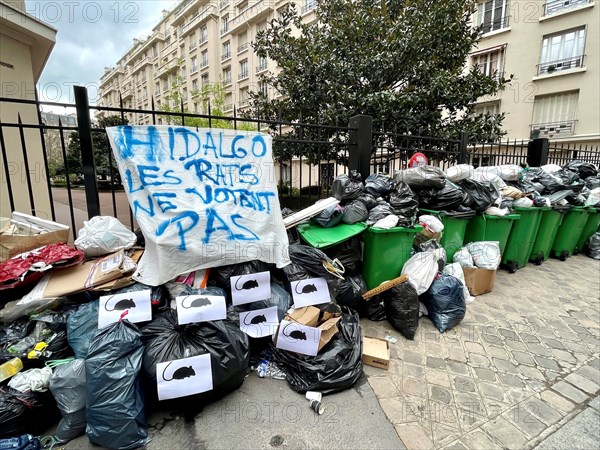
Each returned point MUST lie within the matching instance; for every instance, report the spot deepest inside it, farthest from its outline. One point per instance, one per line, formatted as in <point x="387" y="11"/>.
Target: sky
<point x="90" y="35"/>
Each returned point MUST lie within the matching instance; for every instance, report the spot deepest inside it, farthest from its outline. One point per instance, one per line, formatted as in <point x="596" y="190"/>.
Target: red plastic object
<point x="418" y="159"/>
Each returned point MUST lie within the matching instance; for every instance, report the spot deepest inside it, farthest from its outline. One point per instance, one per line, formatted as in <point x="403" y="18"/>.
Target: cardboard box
<point x="24" y="232"/>
<point x="376" y="352"/>
<point x="479" y="281"/>
<point x="309" y="316"/>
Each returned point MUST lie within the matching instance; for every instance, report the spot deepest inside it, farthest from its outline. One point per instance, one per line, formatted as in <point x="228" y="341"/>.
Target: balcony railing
<point x="243" y="75"/>
<point x="204" y="64"/>
<point x="227" y="106"/>
<point x="251" y="14"/>
<point x="498" y="24"/>
<point x="227" y="81"/>
<point x="561" y="64"/>
<point x="203" y="39"/>
<point x="309" y="6"/>
<point x="226" y="56"/>
<point x="223" y="4"/>
<point x="225" y="29"/>
<point x="194" y="69"/>
<point x="261" y="67"/>
<point x="557" y="6"/>
<point x="244" y="102"/>
<point x="553" y="129"/>
<point x="242" y="47"/>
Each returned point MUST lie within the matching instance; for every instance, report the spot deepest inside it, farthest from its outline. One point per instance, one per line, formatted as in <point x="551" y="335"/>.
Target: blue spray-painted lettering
<point x="165" y="205"/>
<point x="241" y="237"/>
<point x="187" y="134"/>
<point x="238" y="152"/>
<point x="129" y="145"/>
<point x="243" y="173"/>
<point x="181" y="230"/>
<point x="211" y="217"/>
<point x="210" y="145"/>
<point x="258" y="139"/>
<point x="148" y="210"/>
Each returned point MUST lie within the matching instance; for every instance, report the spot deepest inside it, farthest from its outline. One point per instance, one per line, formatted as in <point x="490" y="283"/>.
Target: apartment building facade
<point x="196" y="43"/>
<point x="553" y="50"/>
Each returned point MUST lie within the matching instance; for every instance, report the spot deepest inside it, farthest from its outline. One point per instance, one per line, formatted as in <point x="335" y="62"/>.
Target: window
<point x="557" y="6"/>
<point x="262" y="64"/>
<point x="192" y="41"/>
<point x="309" y="5"/>
<point x="555" y="114"/>
<point x="242" y="42"/>
<point x="261" y="26"/>
<point x="485" y="108"/>
<point x="490" y="62"/>
<point x="243" y="70"/>
<point x="562" y="51"/>
<point x="493" y="15"/>
<point x="204" y="59"/>
<point x="183" y="72"/>
<point x="184" y="95"/>
<point x="194" y="65"/>
<point x="228" y="104"/>
<point x="263" y="89"/>
<point x="154" y="52"/>
<point x="203" y="34"/>
<point x="157" y="88"/>
<point x="195" y="107"/>
<point x="244" y="97"/>
<point x="205" y="80"/>
<point x="194" y="85"/>
<point x="226" y="51"/>
<point x="241" y="7"/>
<point x="225" y="24"/>
<point x="165" y="84"/>
<point x="227" y="75"/>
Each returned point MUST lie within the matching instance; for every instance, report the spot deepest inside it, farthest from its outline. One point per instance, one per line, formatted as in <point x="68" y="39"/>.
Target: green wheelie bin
<point x="522" y="237"/>
<point x="591" y="226"/>
<point x="549" y="223"/>
<point x="569" y="232"/>
<point x="385" y="253"/>
<point x="490" y="228"/>
<point x="453" y="235"/>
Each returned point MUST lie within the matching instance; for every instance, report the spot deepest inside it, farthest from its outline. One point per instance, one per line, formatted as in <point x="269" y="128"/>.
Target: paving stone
<point x="557" y="401"/>
<point x="410" y="370"/>
<point x="547" y="363"/>
<point x="485" y="374"/>
<point x="383" y="387"/>
<point x="505" y="366"/>
<point x="567" y="390"/>
<point x="581" y="331"/>
<point x="414" y="387"/>
<point x="508" y="334"/>
<point x="529" y="338"/>
<point x="474" y="347"/>
<point x="511" y="380"/>
<point x="595" y="363"/>
<point x="443" y="434"/>
<point x="532" y="372"/>
<point x="414" y="436"/>
<point x="470" y="402"/>
<point x="476" y="360"/>
<point x="458" y="367"/>
<point x="412" y="357"/>
<point x="505" y="432"/>
<point x="525" y="421"/>
<point x="437" y="377"/>
<point x="498" y="352"/>
<point x="576" y="347"/>
<point x="478" y="439"/>
<point x="440" y="394"/>
<point x="468" y="420"/>
<point x="436" y="363"/>
<point x="539" y="349"/>
<point x="492" y="391"/>
<point x="582" y="383"/>
<point x="523" y="358"/>
<point x="590" y="373"/>
<point x="464" y="384"/>
<point x="563" y="355"/>
<point x="542" y="410"/>
<point x="457" y="445"/>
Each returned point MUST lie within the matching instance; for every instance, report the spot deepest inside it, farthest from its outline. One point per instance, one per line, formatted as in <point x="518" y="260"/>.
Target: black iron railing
<point x="560" y="64"/>
<point x="558" y="6"/>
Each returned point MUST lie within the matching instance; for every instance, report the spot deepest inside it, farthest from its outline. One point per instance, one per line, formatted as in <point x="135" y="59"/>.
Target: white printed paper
<point x="135" y="304"/>
<point x="183" y="377"/>
<point x="200" y="308"/>
<point x="251" y="288"/>
<point x="260" y="322"/>
<point x="298" y="338"/>
<point x="313" y="291"/>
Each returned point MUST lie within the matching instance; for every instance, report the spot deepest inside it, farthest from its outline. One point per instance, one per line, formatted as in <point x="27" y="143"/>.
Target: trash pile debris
<point x="96" y="334"/>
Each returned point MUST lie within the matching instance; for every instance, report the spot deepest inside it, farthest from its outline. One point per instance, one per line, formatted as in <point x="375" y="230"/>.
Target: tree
<point x="102" y="150"/>
<point x="401" y="62"/>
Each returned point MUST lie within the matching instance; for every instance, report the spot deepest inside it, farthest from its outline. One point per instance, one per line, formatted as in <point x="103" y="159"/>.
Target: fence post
<point x="84" y="124"/>
<point x="463" y="153"/>
<point x="361" y="144"/>
<point x="537" y="152"/>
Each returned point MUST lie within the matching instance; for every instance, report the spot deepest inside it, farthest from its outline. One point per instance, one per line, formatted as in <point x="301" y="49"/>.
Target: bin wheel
<point x="512" y="267"/>
<point x="539" y="260"/>
<point x="564" y="255"/>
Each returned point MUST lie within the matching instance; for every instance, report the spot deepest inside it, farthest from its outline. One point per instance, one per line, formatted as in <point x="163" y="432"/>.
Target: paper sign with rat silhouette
<point x="137" y="304"/>
<point x="313" y="291"/>
<point x="182" y="377"/>
<point x="250" y="288"/>
<point x="260" y="322"/>
<point x="298" y="338"/>
<point x="200" y="308"/>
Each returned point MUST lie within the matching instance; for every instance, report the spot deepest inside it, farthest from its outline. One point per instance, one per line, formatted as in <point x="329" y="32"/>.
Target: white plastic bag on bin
<point x="456" y="271"/>
<point x="464" y="258"/>
<point x="593" y="198"/>
<point x="421" y="269"/>
<point x="508" y="172"/>
<point x="459" y="172"/>
<point x="432" y="223"/>
<point x="387" y="222"/>
<point x="496" y="181"/>
<point x="102" y="235"/>
<point x="486" y="254"/>
<point x="523" y="202"/>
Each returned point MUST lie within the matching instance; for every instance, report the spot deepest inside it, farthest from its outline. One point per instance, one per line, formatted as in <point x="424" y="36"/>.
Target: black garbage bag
<point x="422" y="177"/>
<point x="567" y="176"/>
<point x="26" y="412"/>
<point x="15" y="331"/>
<point x="347" y="186"/>
<point x="68" y="387"/>
<point x="368" y="200"/>
<point x="23" y="442"/>
<point x="351" y="291"/>
<point x="375" y="309"/>
<point x="402" y="308"/>
<point x="461" y="212"/>
<point x="445" y="302"/>
<point x="349" y="253"/>
<point x="592" y="182"/>
<point x="379" y="185"/>
<point x="584" y="169"/>
<point x="404" y="201"/>
<point x="382" y="210"/>
<point x="81" y="328"/>
<point x="575" y="199"/>
<point x="592" y="246"/>
<point x="481" y="194"/>
<point x="551" y="183"/>
<point x="309" y="262"/>
<point x="329" y="217"/>
<point x="228" y="346"/>
<point x="446" y="199"/>
<point x="115" y="412"/>
<point x="354" y="212"/>
<point x="222" y="275"/>
<point x="337" y="366"/>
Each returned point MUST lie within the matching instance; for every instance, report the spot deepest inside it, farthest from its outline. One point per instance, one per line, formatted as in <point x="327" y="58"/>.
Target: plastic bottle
<point x="9" y="368"/>
<point x="16" y="442"/>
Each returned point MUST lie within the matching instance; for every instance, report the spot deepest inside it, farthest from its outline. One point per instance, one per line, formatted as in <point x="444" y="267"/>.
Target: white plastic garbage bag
<point x="102" y="235"/>
<point x="495" y="211"/>
<point x="35" y="380"/>
<point x="550" y="168"/>
<point x="464" y="258"/>
<point x="459" y="172"/>
<point x="387" y="222"/>
<point x="523" y="202"/>
<point x="421" y="269"/>
<point x="508" y="172"/>
<point x="432" y="223"/>
<point x="494" y="179"/>
<point x="486" y="254"/>
<point x="456" y="271"/>
<point x="593" y="198"/>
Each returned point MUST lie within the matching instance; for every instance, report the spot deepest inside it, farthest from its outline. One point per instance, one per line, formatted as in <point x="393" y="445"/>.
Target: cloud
<point x="91" y="35"/>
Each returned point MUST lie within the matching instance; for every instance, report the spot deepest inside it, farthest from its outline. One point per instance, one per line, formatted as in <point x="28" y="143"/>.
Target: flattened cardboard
<point x="376" y="352"/>
<point x="479" y="281"/>
<point x="27" y="232"/>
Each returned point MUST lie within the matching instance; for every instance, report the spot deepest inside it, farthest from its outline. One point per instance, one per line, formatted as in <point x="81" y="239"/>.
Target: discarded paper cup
<point x="317" y="406"/>
<point x="313" y="395"/>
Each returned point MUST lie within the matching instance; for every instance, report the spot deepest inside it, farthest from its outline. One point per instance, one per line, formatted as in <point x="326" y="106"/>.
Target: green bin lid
<point x="416" y="229"/>
<point x="320" y="237"/>
<point x="508" y="216"/>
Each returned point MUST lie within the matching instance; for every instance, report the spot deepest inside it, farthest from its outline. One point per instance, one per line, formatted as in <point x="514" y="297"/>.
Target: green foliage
<point x="401" y="62"/>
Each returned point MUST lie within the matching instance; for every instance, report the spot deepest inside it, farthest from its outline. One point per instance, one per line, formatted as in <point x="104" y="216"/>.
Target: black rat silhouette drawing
<point x="180" y="373"/>
<point x="306" y="289"/>
<point x="121" y="305"/>
<point x="256" y="320"/>
<point x="248" y="284"/>
<point x="295" y="334"/>
<point x="196" y="303"/>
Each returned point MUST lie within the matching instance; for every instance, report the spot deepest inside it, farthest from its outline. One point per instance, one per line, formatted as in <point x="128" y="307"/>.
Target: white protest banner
<point x="202" y="198"/>
<point x="259" y="322"/>
<point x="298" y="338"/>
<point x="135" y="304"/>
<point x="182" y="377"/>
<point x="250" y="288"/>
<point x="313" y="291"/>
<point x="200" y="308"/>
